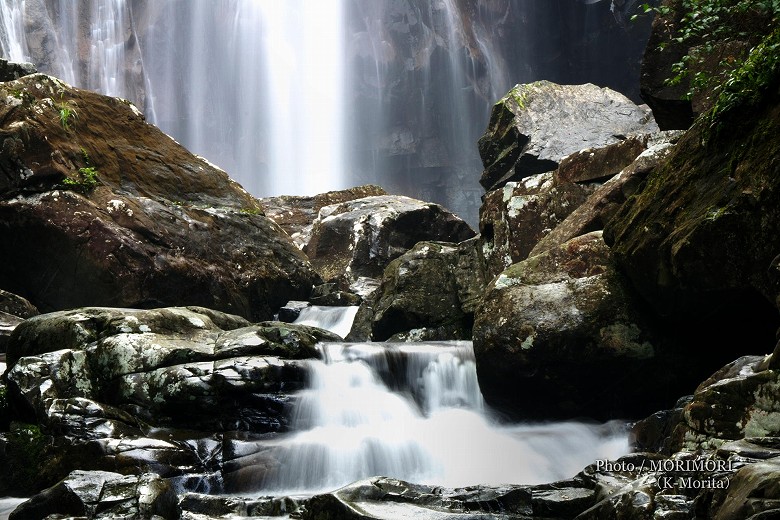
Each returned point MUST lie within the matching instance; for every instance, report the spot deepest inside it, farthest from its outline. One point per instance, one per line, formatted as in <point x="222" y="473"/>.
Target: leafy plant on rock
<point x="706" y="23"/>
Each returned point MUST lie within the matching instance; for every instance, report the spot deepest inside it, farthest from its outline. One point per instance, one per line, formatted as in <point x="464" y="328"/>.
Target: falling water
<point x="415" y="412"/>
<point x="12" y="42"/>
<point x="335" y="319"/>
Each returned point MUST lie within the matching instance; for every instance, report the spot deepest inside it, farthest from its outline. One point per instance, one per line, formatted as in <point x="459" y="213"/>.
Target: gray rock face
<point x="516" y="217"/>
<point x="357" y="239"/>
<point x="536" y="125"/>
<point x="559" y="326"/>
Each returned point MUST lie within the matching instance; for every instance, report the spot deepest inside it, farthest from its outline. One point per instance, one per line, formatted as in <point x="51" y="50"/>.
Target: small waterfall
<point x="415" y="412"/>
<point x="335" y="319"/>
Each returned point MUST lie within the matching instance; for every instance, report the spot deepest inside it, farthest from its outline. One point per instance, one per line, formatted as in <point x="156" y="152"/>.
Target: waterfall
<point x="12" y="42"/>
<point x="335" y="319"/>
<point x="415" y="412"/>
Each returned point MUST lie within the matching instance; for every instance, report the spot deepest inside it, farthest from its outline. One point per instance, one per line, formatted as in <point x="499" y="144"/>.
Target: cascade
<point x="415" y="412"/>
<point x="335" y="319"/>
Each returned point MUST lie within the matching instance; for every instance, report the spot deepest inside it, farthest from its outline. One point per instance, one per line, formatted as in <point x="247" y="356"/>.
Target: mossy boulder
<point x="564" y="327"/>
<point x="129" y="217"/>
<point x="703" y="234"/>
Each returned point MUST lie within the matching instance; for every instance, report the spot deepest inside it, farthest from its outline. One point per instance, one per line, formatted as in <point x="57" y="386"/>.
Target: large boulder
<point x="536" y="125"/>
<point x="565" y="328"/>
<point x="513" y="219"/>
<point x="122" y="389"/>
<point x="103" y="494"/>
<point x="433" y="285"/>
<point x="702" y="236"/>
<point x="130" y="218"/>
<point x="359" y="238"/>
<point x="295" y="214"/>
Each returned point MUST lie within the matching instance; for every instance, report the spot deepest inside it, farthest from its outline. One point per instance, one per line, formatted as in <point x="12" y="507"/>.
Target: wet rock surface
<point x="555" y="322"/>
<point x="536" y="125"/>
<point x="178" y="391"/>
<point x="130" y="218"/>
<point x="359" y="238"/>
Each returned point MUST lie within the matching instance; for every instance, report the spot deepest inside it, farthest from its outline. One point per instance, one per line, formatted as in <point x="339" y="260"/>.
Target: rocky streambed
<point x="619" y="270"/>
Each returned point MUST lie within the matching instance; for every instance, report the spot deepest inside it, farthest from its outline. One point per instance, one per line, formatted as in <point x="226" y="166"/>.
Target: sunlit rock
<point x="516" y="217"/>
<point x="359" y="238"/>
<point x="536" y="125"/>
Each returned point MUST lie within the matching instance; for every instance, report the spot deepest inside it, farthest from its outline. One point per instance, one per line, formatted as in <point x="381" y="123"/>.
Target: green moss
<point x="251" y="211"/>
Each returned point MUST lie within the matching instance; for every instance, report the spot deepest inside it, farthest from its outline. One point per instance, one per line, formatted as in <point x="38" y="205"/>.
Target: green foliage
<point x="745" y="85"/>
<point x="86" y="181"/>
<point x="706" y="22"/>
<point x="26" y="452"/>
<point x="251" y="211"/>
<point x="67" y="113"/>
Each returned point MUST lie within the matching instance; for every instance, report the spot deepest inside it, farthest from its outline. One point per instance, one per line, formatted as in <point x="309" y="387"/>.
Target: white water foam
<point x="335" y="319"/>
<point x="415" y="412"/>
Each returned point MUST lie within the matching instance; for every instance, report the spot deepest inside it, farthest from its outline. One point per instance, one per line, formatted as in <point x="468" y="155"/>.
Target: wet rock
<point x="10" y="71"/>
<point x="564" y="327"/>
<point x="754" y="492"/>
<point x="738" y="401"/>
<point x="291" y="310"/>
<point x="130" y="218"/>
<point x="702" y="235"/>
<point x="329" y="294"/>
<point x="8" y="322"/>
<point x="385" y="498"/>
<point x="359" y="238"/>
<point x="419" y="289"/>
<point x="99" y="494"/>
<point x="654" y="433"/>
<point x="593" y="164"/>
<point x="604" y="202"/>
<point x="198" y="506"/>
<point x="16" y="305"/>
<point x="515" y="218"/>
<point x="171" y="366"/>
<point x="295" y="214"/>
<point x="118" y="390"/>
<point x="536" y="125"/>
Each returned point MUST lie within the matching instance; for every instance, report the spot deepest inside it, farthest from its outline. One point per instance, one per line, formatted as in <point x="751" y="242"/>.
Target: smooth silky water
<point x="414" y="411"/>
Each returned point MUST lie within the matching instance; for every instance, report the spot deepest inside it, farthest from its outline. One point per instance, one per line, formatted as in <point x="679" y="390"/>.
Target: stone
<point x="536" y="125"/>
<point x="386" y="498"/>
<point x="295" y="214"/>
<point x="104" y="495"/>
<point x="291" y="310"/>
<point x="133" y="218"/>
<point x="593" y="164"/>
<point x="701" y="236"/>
<point x="419" y="289"/>
<point x="130" y="390"/>
<point x="513" y="219"/>
<point x="16" y="305"/>
<point x="564" y="327"/>
<point x="359" y="238"/>
<point x="10" y="71"/>
<point x="329" y="294"/>
<point x="604" y="202"/>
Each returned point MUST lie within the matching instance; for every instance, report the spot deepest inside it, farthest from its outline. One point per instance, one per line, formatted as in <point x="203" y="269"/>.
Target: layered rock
<point x="118" y="389"/>
<point x="295" y="214"/>
<point x="564" y="327"/>
<point x="359" y="238"/>
<point x="130" y="218"/>
<point x="513" y="219"/>
<point x="535" y="125"/>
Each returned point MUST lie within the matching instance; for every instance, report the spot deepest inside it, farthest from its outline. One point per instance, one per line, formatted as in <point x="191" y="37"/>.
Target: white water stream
<point x="415" y="412"/>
